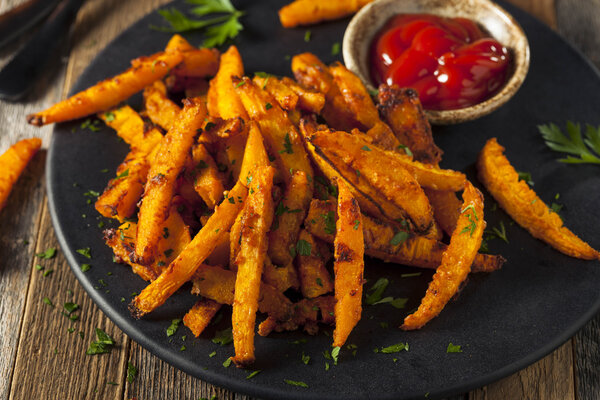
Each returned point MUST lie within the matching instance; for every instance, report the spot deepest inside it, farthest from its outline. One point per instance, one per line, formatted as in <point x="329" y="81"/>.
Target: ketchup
<point x="451" y="62"/>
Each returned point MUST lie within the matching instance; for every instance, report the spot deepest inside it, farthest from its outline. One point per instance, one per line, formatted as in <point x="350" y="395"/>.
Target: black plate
<point x="503" y="321"/>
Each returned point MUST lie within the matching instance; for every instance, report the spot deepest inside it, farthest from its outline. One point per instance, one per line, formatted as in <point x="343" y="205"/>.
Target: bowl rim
<point x="519" y="70"/>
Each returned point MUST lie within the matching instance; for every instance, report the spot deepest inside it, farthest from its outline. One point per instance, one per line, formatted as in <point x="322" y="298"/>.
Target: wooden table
<point x="40" y="359"/>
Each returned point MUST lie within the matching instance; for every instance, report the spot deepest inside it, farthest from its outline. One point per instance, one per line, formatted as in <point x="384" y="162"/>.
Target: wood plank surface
<point x="42" y="360"/>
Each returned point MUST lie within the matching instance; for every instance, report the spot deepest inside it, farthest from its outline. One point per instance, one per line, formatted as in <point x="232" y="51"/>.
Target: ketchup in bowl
<point x="451" y="62"/>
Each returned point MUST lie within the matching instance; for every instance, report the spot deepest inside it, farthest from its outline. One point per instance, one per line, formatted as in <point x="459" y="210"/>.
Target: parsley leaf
<point x="253" y="374"/>
<point x="303" y="247"/>
<point x="132" y="372"/>
<point x="223" y="337"/>
<point x="102" y="345"/>
<point x="219" y="34"/>
<point x="295" y="383"/>
<point x="211" y="6"/>
<point x="173" y="327"/>
<point x="287" y="145"/>
<point x="398" y="238"/>
<point x="85" y="252"/>
<point x="335" y="352"/>
<point x="50" y="253"/>
<point x="525" y="176"/>
<point x="396" y="348"/>
<point x="453" y="348"/>
<point x="573" y="144"/>
<point x="377" y="291"/>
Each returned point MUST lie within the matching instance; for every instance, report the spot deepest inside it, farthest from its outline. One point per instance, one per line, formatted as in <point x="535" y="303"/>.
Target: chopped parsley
<point x="396" y="348"/>
<point x="366" y="148"/>
<point x="453" y="348"/>
<point x="356" y="224"/>
<point x="86" y="252"/>
<point x="173" y="327"/>
<point x="48" y="302"/>
<point x="287" y="145"/>
<point x="377" y="291"/>
<point x="525" y="176"/>
<point x="70" y="307"/>
<point x="319" y="282"/>
<point x="253" y="374"/>
<point x="399" y="302"/>
<point x="109" y="116"/>
<point x="307" y="36"/>
<point x="132" y="372"/>
<point x="223" y="337"/>
<point x="555" y="207"/>
<point x="575" y="143"/>
<point x="268" y="106"/>
<point x="123" y="174"/>
<point x="295" y="383"/>
<point x="329" y="222"/>
<point x="472" y="224"/>
<point x="85" y="267"/>
<point x="335" y="352"/>
<point x="399" y="238"/>
<point x="48" y="254"/>
<point x="211" y="355"/>
<point x="335" y="49"/>
<point x="103" y="344"/>
<point x="227" y="363"/>
<point x="406" y="149"/>
<point x="303" y="247"/>
<point x="48" y="272"/>
<point x="305" y="359"/>
<point x="410" y="275"/>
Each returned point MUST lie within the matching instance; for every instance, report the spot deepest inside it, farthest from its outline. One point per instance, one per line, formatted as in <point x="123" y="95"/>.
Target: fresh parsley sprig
<point x="218" y="29"/>
<point x="575" y="143"/>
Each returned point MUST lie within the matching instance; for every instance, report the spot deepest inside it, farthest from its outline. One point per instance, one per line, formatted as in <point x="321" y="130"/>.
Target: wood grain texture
<point x="550" y="379"/>
<point x="22" y="214"/>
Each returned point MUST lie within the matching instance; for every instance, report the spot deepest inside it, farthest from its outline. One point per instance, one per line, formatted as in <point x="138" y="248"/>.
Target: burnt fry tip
<point x="35" y="120"/>
<point x="134" y="310"/>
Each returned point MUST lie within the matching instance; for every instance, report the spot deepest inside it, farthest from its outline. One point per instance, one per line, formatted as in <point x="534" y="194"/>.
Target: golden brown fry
<point x="387" y="243"/>
<point x="223" y="101"/>
<point x="359" y="101"/>
<point x="348" y="266"/>
<point x="255" y="154"/>
<point x="307" y="313"/>
<point x="278" y="131"/>
<point x="282" y="278"/>
<point x="12" y="163"/>
<point x="377" y="177"/>
<point x="446" y="208"/>
<point x="403" y="112"/>
<point x="108" y="93"/>
<point x="219" y="284"/>
<point x="207" y="181"/>
<point x="119" y="199"/>
<point x="183" y="267"/>
<point x="198" y="63"/>
<point x="523" y="204"/>
<point x="178" y="43"/>
<point x="315" y="279"/>
<point x="285" y="96"/>
<point x="160" y="109"/>
<point x="175" y="236"/>
<point x="308" y="100"/>
<point x="163" y="173"/>
<point x="308" y="12"/>
<point x="200" y="315"/>
<point x="312" y="73"/>
<point x="256" y="221"/>
<point x="456" y="261"/>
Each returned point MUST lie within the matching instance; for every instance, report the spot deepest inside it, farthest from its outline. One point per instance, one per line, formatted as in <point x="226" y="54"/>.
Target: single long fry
<point x="167" y="164"/>
<point x="207" y="180"/>
<point x="256" y="221"/>
<point x="255" y="154"/>
<point x="307" y="12"/>
<point x="110" y="92"/>
<point x="183" y="267"/>
<point x="402" y="110"/>
<point x="446" y="208"/>
<point x="523" y="204"/>
<point x="200" y="315"/>
<point x="360" y="103"/>
<point x="12" y="163"/>
<point x="218" y="284"/>
<point x="456" y="260"/>
<point x="131" y="128"/>
<point x="315" y="280"/>
<point x="388" y="243"/>
<point x="119" y="199"/>
<point x="348" y="266"/>
<point x="223" y="101"/>
<point x="160" y="109"/>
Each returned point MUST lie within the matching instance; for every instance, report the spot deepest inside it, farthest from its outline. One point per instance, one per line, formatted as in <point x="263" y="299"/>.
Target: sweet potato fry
<point x="387" y="243"/>
<point x="119" y="199"/>
<point x="348" y="266"/>
<point x="281" y="278"/>
<point x="131" y="128"/>
<point x="456" y="260"/>
<point x="285" y="96"/>
<point x="257" y="217"/>
<point x="183" y="267"/>
<point x="223" y="101"/>
<point x="308" y="100"/>
<point x="278" y="131"/>
<point x="374" y="176"/>
<point x="446" y="208"/>
<point x="161" y="110"/>
<point x="315" y="279"/>
<point x="12" y="163"/>
<point x="312" y="73"/>
<point x="167" y="165"/>
<point x="402" y="110"/>
<point x="308" y="12"/>
<point x="200" y="315"/>
<point x="255" y="154"/>
<point x="359" y="101"/>
<point x="108" y="93"/>
<point x="207" y="181"/>
<point x="523" y="204"/>
<point x="307" y="313"/>
<point x="218" y="284"/>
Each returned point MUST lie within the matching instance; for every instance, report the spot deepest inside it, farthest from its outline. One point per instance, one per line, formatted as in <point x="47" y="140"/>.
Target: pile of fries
<point x="247" y="187"/>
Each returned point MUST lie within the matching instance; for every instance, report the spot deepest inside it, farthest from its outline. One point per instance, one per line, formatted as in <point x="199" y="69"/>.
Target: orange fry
<point x="257" y="217"/>
<point x="183" y="267"/>
<point x="110" y="92"/>
<point x="12" y="163"/>
<point x="200" y="315"/>
<point x="456" y="260"/>
<point x="163" y="173"/>
<point x="348" y="266"/>
<point x="307" y="12"/>
<point x="446" y="208"/>
<point x="523" y="204"/>
<point x="315" y="280"/>
<point x="160" y="109"/>
<point x="207" y="181"/>
<point x="223" y="101"/>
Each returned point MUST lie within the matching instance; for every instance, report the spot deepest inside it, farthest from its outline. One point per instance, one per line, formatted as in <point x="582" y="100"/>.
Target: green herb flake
<point x="305" y="359"/>
<point x="48" y="272"/>
<point x="329" y="222"/>
<point x="132" y="372"/>
<point x="223" y="337"/>
<point x="555" y="207"/>
<point x="211" y="355"/>
<point x="173" y="327"/>
<point x="253" y="374"/>
<point x="525" y="176"/>
<point x="303" y="247"/>
<point x="295" y="383"/>
<point x="335" y="49"/>
<point x="500" y="232"/>
<point x="38" y="267"/>
<point x="335" y="352"/>
<point x="182" y="348"/>
<point x="86" y="252"/>
<point x="326" y="366"/>
<point x="396" y="348"/>
<point x="307" y="36"/>
<point x="123" y="174"/>
<point x="104" y="170"/>
<point x="227" y="363"/>
<point x="399" y="238"/>
<point x="101" y="224"/>
<point x="70" y="307"/>
<point x="287" y="145"/>
<point x="48" y="254"/>
<point x="406" y="149"/>
<point x="268" y="106"/>
<point x="366" y="148"/>
<point x="48" y="302"/>
<point x="453" y="348"/>
<point x="241" y="83"/>
<point x="574" y="144"/>
<point x="102" y="345"/>
<point x="85" y="267"/>
<point x="377" y="291"/>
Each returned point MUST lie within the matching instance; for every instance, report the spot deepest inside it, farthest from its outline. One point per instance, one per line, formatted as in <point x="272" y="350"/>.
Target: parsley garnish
<point x="48" y="302"/>
<point x="268" y="106"/>
<point x="398" y="238"/>
<point x="85" y="267"/>
<point x="329" y="222"/>
<point x="223" y="337"/>
<point x="70" y="307"/>
<point x="48" y="272"/>
<point x="305" y="359"/>
<point x="525" y="176"/>
<point x="102" y="345"/>
<point x="295" y="383"/>
<point x="500" y="233"/>
<point x="253" y="374"/>
<point x="131" y="372"/>
<point x="218" y="29"/>
<point x="399" y="302"/>
<point x="366" y="148"/>
<point x="173" y="327"/>
<point x="50" y="253"/>
<point x="287" y="145"/>
<point x="319" y="282"/>
<point x="406" y="149"/>
<point x="356" y="224"/>
<point x="472" y="224"/>
<point x="227" y="363"/>
<point x="555" y="207"/>
<point x="123" y="174"/>
<point x="303" y="247"/>
<point x="410" y="275"/>
<point x="85" y="252"/>
<point x="307" y="35"/>
<point x="109" y="116"/>
<point x="574" y="144"/>
<point x="453" y="348"/>
<point x="396" y="348"/>
<point x="377" y="291"/>
<point x="335" y="49"/>
<point x="335" y="352"/>
<point x="211" y="355"/>
<point x="91" y="125"/>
